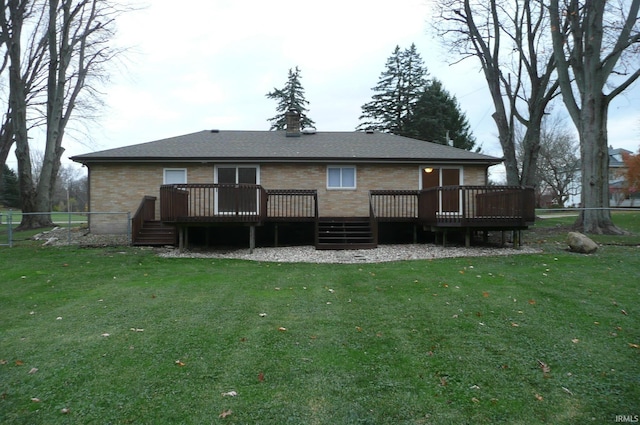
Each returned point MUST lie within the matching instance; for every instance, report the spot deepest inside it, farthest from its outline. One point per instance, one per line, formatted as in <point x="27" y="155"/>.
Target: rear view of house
<point x="340" y="188"/>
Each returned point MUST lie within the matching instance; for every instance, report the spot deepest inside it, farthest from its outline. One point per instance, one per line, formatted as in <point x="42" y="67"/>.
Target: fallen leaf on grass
<point x="539" y="397"/>
<point x="282" y="329"/>
<point x="225" y="413"/>
<point x="485" y="294"/>
<point x="575" y="340"/>
<point x="515" y="325"/>
<point x="475" y="400"/>
<point x="263" y="315"/>
<point x="358" y="328"/>
<point x="137" y="330"/>
<point x="19" y="363"/>
<point x="261" y="377"/>
<point x="624" y="312"/>
<point x="105" y="335"/>
<point x="566" y="390"/>
<point x="179" y="363"/>
<point x="545" y="367"/>
<point x="532" y="302"/>
<point x="33" y="370"/>
<point x="443" y="381"/>
<point x="230" y="394"/>
<point x="634" y="345"/>
<point x="35" y="399"/>
<point x="3" y="361"/>
<point x="65" y="411"/>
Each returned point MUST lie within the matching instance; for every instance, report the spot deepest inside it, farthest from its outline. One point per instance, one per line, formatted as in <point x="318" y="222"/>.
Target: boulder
<point x="580" y="243"/>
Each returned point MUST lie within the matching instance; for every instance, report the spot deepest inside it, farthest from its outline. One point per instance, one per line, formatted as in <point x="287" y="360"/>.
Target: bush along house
<point x="336" y="190"/>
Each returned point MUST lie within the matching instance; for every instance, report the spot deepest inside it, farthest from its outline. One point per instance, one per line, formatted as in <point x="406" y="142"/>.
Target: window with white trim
<point x="341" y="177"/>
<point x="175" y="175"/>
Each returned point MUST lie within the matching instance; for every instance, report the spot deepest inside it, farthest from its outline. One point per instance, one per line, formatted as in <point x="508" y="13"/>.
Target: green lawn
<point x="120" y="336"/>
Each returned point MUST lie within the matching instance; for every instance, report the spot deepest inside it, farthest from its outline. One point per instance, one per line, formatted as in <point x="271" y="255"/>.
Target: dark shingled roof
<point x="275" y="146"/>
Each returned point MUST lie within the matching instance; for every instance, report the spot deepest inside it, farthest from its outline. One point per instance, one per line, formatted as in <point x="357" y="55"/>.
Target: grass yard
<point x="119" y="335"/>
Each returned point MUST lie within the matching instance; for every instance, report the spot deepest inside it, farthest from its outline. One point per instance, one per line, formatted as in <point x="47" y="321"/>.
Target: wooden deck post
<point x="467" y="237"/>
<point x="275" y="241"/>
<point x="180" y="238"/>
<point x="252" y="238"/>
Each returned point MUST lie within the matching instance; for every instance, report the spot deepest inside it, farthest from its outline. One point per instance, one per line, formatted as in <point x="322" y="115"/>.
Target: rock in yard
<point x="580" y="243"/>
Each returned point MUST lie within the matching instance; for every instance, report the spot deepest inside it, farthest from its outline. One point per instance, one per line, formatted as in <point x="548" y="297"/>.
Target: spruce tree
<point x="398" y="89"/>
<point x="9" y="190"/>
<point x="436" y="117"/>
<point x="291" y="96"/>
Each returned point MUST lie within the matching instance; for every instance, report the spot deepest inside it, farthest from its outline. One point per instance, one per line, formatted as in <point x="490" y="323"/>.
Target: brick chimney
<point x="293" y="123"/>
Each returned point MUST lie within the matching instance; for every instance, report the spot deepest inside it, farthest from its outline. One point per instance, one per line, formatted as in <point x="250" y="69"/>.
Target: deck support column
<point x="252" y="238"/>
<point x="180" y="238"/>
<point x="517" y="234"/>
<point x="467" y="237"/>
<point x="415" y="234"/>
<point x="275" y="240"/>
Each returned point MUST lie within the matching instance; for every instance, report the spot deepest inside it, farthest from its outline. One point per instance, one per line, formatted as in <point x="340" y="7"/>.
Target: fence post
<point x="10" y="229"/>
<point x="69" y="226"/>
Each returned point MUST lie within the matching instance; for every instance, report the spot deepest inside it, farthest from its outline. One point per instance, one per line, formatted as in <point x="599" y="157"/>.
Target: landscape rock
<point x="580" y="243"/>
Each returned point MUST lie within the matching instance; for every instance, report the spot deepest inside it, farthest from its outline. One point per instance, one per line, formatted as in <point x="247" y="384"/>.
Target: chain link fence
<point x="70" y="228"/>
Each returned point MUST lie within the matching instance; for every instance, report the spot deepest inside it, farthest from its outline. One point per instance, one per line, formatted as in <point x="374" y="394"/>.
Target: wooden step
<point x="348" y="233"/>
<point x="155" y="233"/>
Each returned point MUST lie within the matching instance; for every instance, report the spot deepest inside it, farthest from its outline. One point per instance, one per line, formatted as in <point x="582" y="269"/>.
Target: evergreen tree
<point x="291" y="96"/>
<point x="398" y="89"/>
<point x="9" y="190"/>
<point x="436" y="117"/>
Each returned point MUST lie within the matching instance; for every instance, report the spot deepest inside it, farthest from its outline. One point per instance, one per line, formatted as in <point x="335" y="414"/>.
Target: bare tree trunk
<point x="596" y="218"/>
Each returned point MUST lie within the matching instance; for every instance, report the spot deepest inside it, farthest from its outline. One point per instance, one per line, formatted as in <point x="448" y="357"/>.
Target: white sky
<point x="205" y="64"/>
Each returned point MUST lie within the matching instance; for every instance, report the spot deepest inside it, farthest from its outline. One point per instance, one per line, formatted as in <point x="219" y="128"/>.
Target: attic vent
<point x="215" y="131"/>
<point x="369" y="131"/>
<point x="309" y="130"/>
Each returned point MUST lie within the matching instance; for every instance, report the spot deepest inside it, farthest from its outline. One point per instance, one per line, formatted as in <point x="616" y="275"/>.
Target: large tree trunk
<point x="596" y="216"/>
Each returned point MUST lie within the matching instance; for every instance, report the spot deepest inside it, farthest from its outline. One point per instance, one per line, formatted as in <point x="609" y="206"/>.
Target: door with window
<point x="448" y="199"/>
<point x="231" y="198"/>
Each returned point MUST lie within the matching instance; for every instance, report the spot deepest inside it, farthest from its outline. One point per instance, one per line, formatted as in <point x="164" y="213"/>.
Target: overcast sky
<point x="207" y="64"/>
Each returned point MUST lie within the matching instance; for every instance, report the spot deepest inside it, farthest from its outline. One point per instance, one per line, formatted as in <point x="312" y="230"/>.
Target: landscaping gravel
<point x="292" y="254"/>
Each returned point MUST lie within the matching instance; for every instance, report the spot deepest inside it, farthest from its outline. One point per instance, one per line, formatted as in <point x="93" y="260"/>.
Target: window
<point x="175" y="175"/>
<point x="341" y="177"/>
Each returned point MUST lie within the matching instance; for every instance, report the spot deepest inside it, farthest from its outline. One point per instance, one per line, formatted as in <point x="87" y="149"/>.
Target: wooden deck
<point x="440" y="209"/>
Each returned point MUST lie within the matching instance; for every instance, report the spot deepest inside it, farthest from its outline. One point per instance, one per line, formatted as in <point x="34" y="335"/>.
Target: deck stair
<point x="155" y="233"/>
<point x="345" y="233"/>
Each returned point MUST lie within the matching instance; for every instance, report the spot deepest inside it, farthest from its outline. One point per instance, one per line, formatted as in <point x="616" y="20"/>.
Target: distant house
<point x="617" y="184"/>
<point x="335" y="189"/>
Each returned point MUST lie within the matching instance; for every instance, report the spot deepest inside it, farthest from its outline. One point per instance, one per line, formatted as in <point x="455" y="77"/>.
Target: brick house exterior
<point x="119" y="178"/>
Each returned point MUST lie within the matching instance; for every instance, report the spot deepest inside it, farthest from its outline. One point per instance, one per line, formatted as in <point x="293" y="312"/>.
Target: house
<point x="337" y="189"/>
<point x="618" y="196"/>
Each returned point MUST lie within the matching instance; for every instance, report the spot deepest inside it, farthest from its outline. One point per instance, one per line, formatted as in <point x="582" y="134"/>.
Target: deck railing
<point x="394" y="204"/>
<point x="477" y="205"/>
<point x="201" y="202"/>
<point x="292" y="205"/>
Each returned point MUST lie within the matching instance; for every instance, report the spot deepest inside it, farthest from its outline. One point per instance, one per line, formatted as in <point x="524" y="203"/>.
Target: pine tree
<point x="291" y="96"/>
<point x="436" y="117"/>
<point x="398" y="89"/>
<point x="9" y="190"/>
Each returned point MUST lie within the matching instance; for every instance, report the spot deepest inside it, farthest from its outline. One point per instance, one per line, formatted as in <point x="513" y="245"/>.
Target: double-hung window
<point x="341" y="177"/>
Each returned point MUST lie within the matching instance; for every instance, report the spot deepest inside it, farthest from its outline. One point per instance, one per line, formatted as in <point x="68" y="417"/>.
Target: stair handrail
<point x="373" y="220"/>
<point x="146" y="212"/>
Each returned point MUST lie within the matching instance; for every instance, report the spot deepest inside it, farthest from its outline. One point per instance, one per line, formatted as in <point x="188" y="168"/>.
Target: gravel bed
<point x="383" y="253"/>
<point x="294" y="254"/>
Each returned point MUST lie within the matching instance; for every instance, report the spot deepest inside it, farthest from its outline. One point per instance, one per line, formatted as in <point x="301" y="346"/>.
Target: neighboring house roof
<point x="275" y="146"/>
<point x="616" y="157"/>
